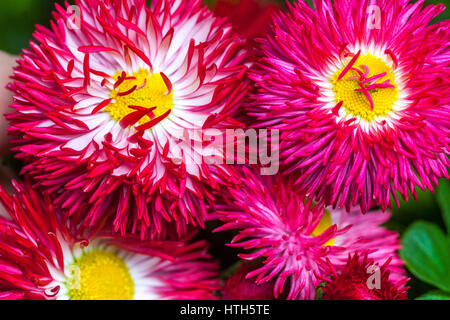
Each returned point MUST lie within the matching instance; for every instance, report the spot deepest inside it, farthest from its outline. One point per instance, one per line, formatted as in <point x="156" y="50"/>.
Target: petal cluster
<point x="37" y="251"/>
<point x="353" y="145"/>
<point x="104" y="102"/>
<point x="298" y="239"/>
<point x="353" y="282"/>
<point x="122" y="117"/>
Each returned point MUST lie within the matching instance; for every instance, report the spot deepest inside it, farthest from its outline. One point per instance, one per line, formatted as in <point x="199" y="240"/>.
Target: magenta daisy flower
<point x="298" y="240"/>
<point x="43" y="258"/>
<point x="104" y="101"/>
<point x="359" y="91"/>
<point x="354" y="283"/>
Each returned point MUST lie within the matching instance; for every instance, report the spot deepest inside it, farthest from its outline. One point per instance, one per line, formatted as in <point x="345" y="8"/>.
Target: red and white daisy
<point x="104" y="101"/>
<point x="354" y="282"/>
<point x="297" y="239"/>
<point x="42" y="258"/>
<point x="359" y="90"/>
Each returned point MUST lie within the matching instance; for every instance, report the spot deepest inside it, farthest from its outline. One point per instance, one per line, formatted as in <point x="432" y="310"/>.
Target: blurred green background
<point x="17" y="20"/>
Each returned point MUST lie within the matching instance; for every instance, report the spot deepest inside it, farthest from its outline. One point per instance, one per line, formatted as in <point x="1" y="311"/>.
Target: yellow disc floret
<point x="99" y="275"/>
<point x="143" y="90"/>
<point x="368" y="89"/>
<point x="323" y="225"/>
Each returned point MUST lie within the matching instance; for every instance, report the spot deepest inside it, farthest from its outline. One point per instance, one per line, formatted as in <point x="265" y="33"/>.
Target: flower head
<point x="44" y="258"/>
<point x="354" y="283"/>
<point x="359" y="91"/>
<point x="238" y="287"/>
<point x="299" y="239"/>
<point x="104" y="103"/>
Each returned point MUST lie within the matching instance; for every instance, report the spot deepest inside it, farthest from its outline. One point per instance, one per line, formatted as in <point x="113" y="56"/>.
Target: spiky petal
<point x="38" y="249"/>
<point x="296" y="238"/>
<point x="104" y="103"/>
<point x="354" y="132"/>
<point x="354" y="282"/>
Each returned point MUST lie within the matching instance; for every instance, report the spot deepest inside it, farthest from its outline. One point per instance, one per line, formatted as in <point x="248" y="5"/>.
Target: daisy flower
<point x="353" y="283"/>
<point x="42" y="258"/>
<point x="298" y="239"/>
<point x="359" y="91"/>
<point x="107" y="103"/>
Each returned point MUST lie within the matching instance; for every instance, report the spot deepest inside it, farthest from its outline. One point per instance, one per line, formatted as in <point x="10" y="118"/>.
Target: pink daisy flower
<point x="359" y="91"/>
<point x="352" y="282"/>
<point x="103" y="103"/>
<point x="297" y="239"/>
<point x="43" y="258"/>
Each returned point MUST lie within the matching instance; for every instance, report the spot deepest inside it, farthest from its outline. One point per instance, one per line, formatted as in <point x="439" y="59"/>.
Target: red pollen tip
<point x="121" y="79"/>
<point x="125" y="93"/>
<point x="350" y="65"/>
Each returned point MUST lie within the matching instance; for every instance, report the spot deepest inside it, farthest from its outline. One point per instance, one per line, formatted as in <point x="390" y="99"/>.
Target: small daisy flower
<point x="299" y="239"/>
<point x="354" y="282"/>
<point x="42" y="258"/>
<point x="359" y="91"/>
<point x="107" y="104"/>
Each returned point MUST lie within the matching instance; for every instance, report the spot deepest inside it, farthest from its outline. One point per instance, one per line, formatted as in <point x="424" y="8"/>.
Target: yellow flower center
<point x="365" y="88"/>
<point x="100" y="275"/>
<point x="142" y="96"/>
<point x="323" y="225"/>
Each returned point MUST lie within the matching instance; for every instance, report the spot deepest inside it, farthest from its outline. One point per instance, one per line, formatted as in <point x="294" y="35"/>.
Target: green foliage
<point x="426" y="254"/>
<point x="435" y="295"/>
<point x="17" y="20"/>
<point x="426" y="248"/>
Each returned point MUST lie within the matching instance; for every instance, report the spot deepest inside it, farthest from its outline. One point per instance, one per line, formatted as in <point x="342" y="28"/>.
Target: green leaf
<point x="426" y="254"/>
<point x="435" y="295"/>
<point x="443" y="198"/>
